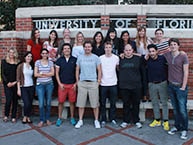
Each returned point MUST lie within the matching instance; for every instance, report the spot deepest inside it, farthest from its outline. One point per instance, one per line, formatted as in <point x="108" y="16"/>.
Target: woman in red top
<point x="34" y="45"/>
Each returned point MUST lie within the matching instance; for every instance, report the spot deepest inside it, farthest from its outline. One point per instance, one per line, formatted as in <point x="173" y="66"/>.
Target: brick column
<point x="24" y="24"/>
<point x="141" y="20"/>
<point x="105" y="22"/>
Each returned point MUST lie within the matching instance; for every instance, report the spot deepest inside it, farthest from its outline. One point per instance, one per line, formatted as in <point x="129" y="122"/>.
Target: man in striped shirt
<point x="161" y="42"/>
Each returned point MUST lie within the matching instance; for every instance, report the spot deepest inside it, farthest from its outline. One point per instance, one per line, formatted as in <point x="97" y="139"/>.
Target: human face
<point x="153" y="53"/>
<point x="128" y="51"/>
<point x="159" y="35"/>
<point x="141" y="33"/>
<point x="28" y="58"/>
<point x="174" y="47"/>
<point x="44" y="54"/>
<point x="125" y="37"/>
<point x="53" y="36"/>
<point x="66" y="50"/>
<point x="98" y="38"/>
<point x="80" y="38"/>
<point x="11" y="53"/>
<point x="112" y="35"/>
<point x="66" y="33"/>
<point x="88" y="48"/>
<point x="108" y="49"/>
<point x="37" y="34"/>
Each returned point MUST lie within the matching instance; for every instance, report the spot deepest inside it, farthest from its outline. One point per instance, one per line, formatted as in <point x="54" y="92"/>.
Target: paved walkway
<point x="20" y="134"/>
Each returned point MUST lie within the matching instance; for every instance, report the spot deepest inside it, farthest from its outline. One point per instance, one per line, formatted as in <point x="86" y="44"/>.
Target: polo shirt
<point x="67" y="69"/>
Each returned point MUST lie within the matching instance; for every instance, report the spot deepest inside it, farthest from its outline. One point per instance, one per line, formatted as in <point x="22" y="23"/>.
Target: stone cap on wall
<point x="98" y="10"/>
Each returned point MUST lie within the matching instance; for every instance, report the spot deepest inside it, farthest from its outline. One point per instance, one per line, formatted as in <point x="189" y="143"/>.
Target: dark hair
<point x="122" y="33"/>
<point x="66" y="44"/>
<point x="152" y="46"/>
<point x="44" y="49"/>
<point x="108" y="34"/>
<point x="87" y="42"/>
<point x="108" y="43"/>
<point x="94" y="41"/>
<point x="159" y="29"/>
<point x="33" y="35"/>
<point x="26" y="54"/>
<point x="174" y="40"/>
<point x="55" y="44"/>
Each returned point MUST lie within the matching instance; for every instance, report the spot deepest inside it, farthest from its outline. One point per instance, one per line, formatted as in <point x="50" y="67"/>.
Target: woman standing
<point x="52" y="45"/>
<point x="142" y="41"/>
<point x="78" y="46"/>
<point x="97" y="46"/>
<point x="25" y="85"/>
<point x="112" y="37"/>
<point x="124" y="40"/>
<point x="34" y="45"/>
<point x="44" y="70"/>
<point x="8" y="72"/>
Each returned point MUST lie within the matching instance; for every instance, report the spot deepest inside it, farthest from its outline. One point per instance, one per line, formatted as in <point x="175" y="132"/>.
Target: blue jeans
<point x="179" y="102"/>
<point x="111" y="93"/>
<point x="44" y="92"/>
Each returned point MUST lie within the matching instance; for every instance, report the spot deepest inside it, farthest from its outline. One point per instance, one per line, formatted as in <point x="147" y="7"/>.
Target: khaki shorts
<point x="90" y="89"/>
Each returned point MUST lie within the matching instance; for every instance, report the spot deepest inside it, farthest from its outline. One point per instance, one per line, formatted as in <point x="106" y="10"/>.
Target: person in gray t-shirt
<point x="88" y="77"/>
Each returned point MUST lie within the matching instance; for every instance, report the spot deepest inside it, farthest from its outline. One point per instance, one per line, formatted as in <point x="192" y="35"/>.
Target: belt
<point x="157" y="82"/>
<point x="175" y="84"/>
<point x="88" y="81"/>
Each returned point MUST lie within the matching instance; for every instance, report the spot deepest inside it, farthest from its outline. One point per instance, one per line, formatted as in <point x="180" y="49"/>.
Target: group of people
<point x="103" y="68"/>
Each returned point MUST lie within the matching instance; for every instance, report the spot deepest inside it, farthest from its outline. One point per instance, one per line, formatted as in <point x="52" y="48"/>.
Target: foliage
<point x="8" y="7"/>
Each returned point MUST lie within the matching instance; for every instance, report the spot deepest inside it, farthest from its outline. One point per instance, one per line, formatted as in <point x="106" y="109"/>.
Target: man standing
<point x="161" y="42"/>
<point x="109" y="63"/>
<point x="157" y="83"/>
<point x="65" y="76"/>
<point x="178" y="68"/>
<point x="88" y="77"/>
<point x="131" y="71"/>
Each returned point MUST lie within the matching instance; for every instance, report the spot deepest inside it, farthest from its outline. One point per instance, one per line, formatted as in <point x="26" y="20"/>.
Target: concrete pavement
<point x="66" y="134"/>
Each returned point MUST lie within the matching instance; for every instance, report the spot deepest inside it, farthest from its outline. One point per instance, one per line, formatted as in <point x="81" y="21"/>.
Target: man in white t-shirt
<point x="108" y="85"/>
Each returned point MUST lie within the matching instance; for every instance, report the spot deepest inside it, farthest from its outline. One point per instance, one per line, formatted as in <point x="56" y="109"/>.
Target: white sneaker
<point x="138" y="125"/>
<point x="103" y="124"/>
<point x="172" y="131"/>
<point x="114" y="123"/>
<point x="184" y="134"/>
<point x="97" y="124"/>
<point x="123" y="124"/>
<point x="79" y="124"/>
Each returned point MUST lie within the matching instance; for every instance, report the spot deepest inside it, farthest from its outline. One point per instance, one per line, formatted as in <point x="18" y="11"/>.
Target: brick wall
<point x="25" y="24"/>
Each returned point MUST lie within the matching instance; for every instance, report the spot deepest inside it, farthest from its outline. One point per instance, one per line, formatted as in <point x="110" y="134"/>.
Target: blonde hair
<point x="144" y="40"/>
<point x="15" y="55"/>
<point x="76" y="38"/>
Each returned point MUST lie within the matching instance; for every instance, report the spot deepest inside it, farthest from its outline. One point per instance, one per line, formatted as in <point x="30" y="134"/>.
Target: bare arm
<point x="28" y="48"/>
<point x="99" y="73"/>
<point x="77" y="73"/>
<point x="58" y="78"/>
<point x="185" y="78"/>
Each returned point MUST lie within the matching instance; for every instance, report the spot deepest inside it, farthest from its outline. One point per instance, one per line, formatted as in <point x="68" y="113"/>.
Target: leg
<point x="172" y="94"/>
<point x="49" y="90"/>
<point x="113" y="98"/>
<point x="153" y="92"/>
<point x="81" y="112"/>
<point x="8" y="100"/>
<point x="126" y="105"/>
<point x="182" y="103"/>
<point x="40" y="90"/>
<point x="15" y="102"/>
<point x="164" y="99"/>
<point x="136" y="93"/>
<point x="103" y="97"/>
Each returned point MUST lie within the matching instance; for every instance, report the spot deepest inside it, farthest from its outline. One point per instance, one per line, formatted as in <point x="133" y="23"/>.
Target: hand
<point x="183" y="89"/>
<point x="122" y="55"/>
<point x="61" y="86"/>
<point x="74" y="87"/>
<point x="19" y="92"/>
